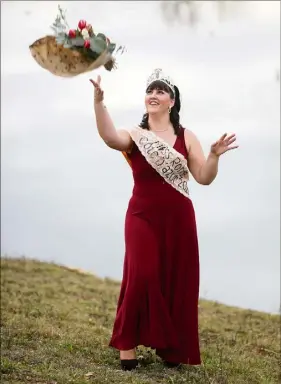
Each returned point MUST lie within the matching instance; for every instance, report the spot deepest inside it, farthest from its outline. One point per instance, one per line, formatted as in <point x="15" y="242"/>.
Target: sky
<point x="64" y="194"/>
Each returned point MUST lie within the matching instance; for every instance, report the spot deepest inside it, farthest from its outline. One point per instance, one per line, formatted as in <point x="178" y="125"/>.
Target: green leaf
<point x="91" y="54"/>
<point x="60" y="25"/>
<point x="61" y="38"/>
<point x="54" y="29"/>
<point x="111" y="47"/>
<point x="98" y="45"/>
<point x="102" y="36"/>
<point x="57" y="21"/>
<point x="120" y="48"/>
<point x="78" y="41"/>
<point x="62" y="16"/>
<point x="67" y="45"/>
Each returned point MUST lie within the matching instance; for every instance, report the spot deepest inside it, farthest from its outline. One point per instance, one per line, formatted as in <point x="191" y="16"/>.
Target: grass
<point x="56" y="323"/>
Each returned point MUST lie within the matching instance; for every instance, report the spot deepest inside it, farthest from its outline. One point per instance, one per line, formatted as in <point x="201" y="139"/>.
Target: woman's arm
<point x="205" y="170"/>
<point x="119" y="140"/>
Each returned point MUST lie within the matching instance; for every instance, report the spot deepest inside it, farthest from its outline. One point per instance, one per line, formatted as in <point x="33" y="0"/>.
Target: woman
<point x="158" y="303"/>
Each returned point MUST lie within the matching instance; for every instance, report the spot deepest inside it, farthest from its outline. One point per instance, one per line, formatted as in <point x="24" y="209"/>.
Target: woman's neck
<point x="159" y="123"/>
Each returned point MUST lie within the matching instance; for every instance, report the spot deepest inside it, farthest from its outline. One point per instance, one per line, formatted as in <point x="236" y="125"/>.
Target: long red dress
<point x="158" y="303"/>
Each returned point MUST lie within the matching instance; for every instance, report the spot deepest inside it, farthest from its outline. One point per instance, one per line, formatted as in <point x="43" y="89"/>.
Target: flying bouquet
<point x="70" y="52"/>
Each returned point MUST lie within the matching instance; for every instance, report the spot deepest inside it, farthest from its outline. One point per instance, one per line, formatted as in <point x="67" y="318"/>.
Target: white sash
<point x="169" y="163"/>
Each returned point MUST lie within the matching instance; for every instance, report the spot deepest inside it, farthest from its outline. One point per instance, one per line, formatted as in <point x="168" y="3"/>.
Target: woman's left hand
<point x="223" y="145"/>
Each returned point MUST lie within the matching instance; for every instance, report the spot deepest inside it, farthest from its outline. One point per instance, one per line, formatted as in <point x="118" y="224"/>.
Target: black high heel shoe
<point x="129" y="365"/>
<point x="171" y="365"/>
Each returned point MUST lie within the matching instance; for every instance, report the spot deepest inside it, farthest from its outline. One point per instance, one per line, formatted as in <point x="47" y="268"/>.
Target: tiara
<point x="158" y="75"/>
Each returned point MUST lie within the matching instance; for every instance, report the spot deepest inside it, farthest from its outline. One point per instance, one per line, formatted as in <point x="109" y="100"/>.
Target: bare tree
<point x="189" y="11"/>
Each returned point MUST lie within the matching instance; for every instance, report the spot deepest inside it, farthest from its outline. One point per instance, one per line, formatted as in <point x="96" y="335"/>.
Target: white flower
<point x="85" y="34"/>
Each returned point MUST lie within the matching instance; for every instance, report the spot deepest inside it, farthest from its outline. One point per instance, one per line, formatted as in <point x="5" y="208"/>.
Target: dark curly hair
<point x="174" y="115"/>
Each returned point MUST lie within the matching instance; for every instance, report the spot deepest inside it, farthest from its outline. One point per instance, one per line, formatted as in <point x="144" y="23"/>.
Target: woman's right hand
<point x="119" y="140"/>
<point x="98" y="94"/>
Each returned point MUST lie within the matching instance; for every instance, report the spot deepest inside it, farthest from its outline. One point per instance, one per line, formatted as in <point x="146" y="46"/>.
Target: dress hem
<point x="166" y="358"/>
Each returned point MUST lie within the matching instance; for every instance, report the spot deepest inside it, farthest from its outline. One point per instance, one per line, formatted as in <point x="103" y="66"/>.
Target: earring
<point x="170" y="109"/>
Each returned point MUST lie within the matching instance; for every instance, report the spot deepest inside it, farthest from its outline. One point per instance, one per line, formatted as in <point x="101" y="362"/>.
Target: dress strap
<point x="181" y="133"/>
<point x="181" y="143"/>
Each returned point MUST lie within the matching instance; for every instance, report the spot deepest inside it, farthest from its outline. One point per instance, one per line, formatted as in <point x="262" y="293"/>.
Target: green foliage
<point x="56" y="323"/>
<point x="61" y="38"/>
<point x="189" y="11"/>
<point x="60" y="25"/>
<point x="77" y="41"/>
<point x="111" y="47"/>
<point x="98" y="43"/>
<point x="101" y="36"/>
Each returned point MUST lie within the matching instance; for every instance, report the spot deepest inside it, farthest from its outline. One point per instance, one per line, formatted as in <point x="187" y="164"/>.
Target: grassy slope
<point x="56" y="324"/>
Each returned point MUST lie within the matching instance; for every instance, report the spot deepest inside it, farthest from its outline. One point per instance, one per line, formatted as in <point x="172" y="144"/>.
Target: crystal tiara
<point x="158" y="75"/>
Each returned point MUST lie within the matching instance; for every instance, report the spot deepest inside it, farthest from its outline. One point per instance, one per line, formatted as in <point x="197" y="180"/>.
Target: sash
<point x="169" y="163"/>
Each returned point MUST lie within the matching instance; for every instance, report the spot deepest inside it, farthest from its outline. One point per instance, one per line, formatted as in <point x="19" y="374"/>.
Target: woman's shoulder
<point x="189" y="137"/>
<point x="188" y="134"/>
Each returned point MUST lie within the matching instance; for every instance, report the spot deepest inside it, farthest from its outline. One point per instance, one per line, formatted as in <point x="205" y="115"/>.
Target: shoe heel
<point x="168" y="364"/>
<point x="129" y="365"/>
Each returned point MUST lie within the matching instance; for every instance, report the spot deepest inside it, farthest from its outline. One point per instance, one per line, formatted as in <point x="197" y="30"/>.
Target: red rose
<point x="82" y="24"/>
<point x="72" y="33"/>
<point x="87" y="44"/>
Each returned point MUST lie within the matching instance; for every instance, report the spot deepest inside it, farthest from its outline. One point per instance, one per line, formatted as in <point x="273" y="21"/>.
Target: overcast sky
<point x="65" y="194"/>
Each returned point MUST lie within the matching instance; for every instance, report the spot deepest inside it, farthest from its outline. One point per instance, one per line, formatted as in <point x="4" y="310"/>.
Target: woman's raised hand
<point x="98" y="94"/>
<point x="223" y="144"/>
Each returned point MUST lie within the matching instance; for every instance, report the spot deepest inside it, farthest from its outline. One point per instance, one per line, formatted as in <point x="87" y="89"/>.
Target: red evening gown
<point x="158" y="302"/>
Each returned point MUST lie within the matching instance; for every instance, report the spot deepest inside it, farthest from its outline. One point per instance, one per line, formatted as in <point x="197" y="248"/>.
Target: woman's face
<point x="158" y="100"/>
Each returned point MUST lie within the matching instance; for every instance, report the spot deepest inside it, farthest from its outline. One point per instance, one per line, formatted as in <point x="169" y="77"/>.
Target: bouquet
<point x="70" y="52"/>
